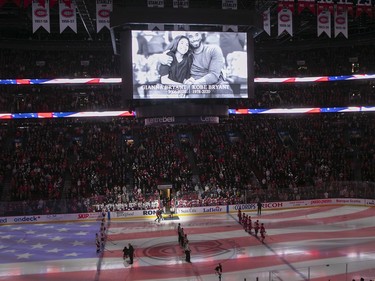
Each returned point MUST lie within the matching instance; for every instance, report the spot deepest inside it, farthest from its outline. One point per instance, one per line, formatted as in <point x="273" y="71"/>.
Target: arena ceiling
<point x="15" y="22"/>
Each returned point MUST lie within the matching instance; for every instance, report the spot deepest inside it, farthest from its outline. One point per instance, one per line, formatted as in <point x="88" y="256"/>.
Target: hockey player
<point x="239" y="216"/>
<point x="243" y="218"/>
<point x="125" y="253"/>
<point x="187" y="251"/>
<point x="249" y="225"/>
<point x="262" y="233"/>
<point x="158" y="215"/>
<point x="131" y="253"/>
<point x="97" y="243"/>
<point x="182" y="233"/>
<point x="256" y="228"/>
<point x="245" y="222"/>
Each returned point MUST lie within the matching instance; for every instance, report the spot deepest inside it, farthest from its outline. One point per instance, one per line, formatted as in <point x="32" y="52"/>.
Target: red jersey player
<point x="262" y="233"/>
<point x="249" y="224"/>
<point x="256" y="228"/>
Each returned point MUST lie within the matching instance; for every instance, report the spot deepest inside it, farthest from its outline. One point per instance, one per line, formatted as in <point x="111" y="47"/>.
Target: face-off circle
<point x="200" y="250"/>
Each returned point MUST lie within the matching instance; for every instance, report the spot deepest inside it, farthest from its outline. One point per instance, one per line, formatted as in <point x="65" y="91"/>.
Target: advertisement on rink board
<point x="89" y="216"/>
<point x="125" y="214"/>
<point x="139" y="214"/>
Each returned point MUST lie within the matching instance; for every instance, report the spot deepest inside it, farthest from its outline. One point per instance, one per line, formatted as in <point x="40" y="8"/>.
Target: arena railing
<point x="335" y="189"/>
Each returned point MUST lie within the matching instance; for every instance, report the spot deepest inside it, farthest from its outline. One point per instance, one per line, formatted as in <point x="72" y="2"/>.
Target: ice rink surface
<point x="335" y="243"/>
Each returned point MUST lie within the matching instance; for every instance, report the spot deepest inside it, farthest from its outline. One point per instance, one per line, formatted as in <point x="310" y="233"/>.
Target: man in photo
<point x="206" y="68"/>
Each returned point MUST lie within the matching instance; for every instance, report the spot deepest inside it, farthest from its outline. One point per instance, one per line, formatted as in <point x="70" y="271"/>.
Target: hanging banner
<point x="103" y="10"/>
<point x="229" y="4"/>
<point x="324" y="23"/>
<point x="267" y="21"/>
<point x="155" y="3"/>
<point x="40" y="15"/>
<point x="68" y="15"/>
<point x="306" y="4"/>
<point x="341" y="23"/>
<point x="325" y="5"/>
<point x="285" y="22"/>
<point x="345" y="5"/>
<point x="181" y="4"/>
<point x="364" y="6"/>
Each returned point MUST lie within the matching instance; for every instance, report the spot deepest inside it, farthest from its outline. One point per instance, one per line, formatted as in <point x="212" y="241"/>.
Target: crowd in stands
<point x="37" y="162"/>
<point x="121" y="162"/>
<point x="24" y="99"/>
<point x="81" y="165"/>
<point x="323" y="61"/>
<point x="314" y="95"/>
<point x="48" y="64"/>
<point x="77" y="64"/>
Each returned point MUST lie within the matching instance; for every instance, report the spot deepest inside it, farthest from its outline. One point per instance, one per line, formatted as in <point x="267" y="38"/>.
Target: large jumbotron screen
<point x="189" y="64"/>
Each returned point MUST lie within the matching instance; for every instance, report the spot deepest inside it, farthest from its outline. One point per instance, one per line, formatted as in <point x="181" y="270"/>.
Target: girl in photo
<point x="179" y="70"/>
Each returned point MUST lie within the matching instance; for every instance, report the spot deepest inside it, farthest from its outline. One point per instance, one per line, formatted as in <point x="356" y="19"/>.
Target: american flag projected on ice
<point x="47" y="242"/>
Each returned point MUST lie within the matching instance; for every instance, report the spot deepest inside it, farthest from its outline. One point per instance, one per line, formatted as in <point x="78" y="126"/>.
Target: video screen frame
<point x="214" y="65"/>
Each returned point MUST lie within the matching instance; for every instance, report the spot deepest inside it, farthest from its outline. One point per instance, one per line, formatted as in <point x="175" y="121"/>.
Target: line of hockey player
<point x="184" y="242"/>
<point x="248" y="225"/>
<point x="101" y="237"/>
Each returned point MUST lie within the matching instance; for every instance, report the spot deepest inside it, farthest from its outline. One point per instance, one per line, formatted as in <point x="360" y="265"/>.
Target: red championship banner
<point x="325" y="5"/>
<point x="40" y="15"/>
<point x="68" y="15"/>
<point x="306" y="4"/>
<point x="285" y="17"/>
<point x="364" y="6"/>
<point x="267" y="21"/>
<point x="341" y="23"/>
<point x="181" y="4"/>
<point x="103" y="11"/>
<point x="229" y="4"/>
<point x="155" y="3"/>
<point x="324" y="23"/>
<point x="345" y="5"/>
